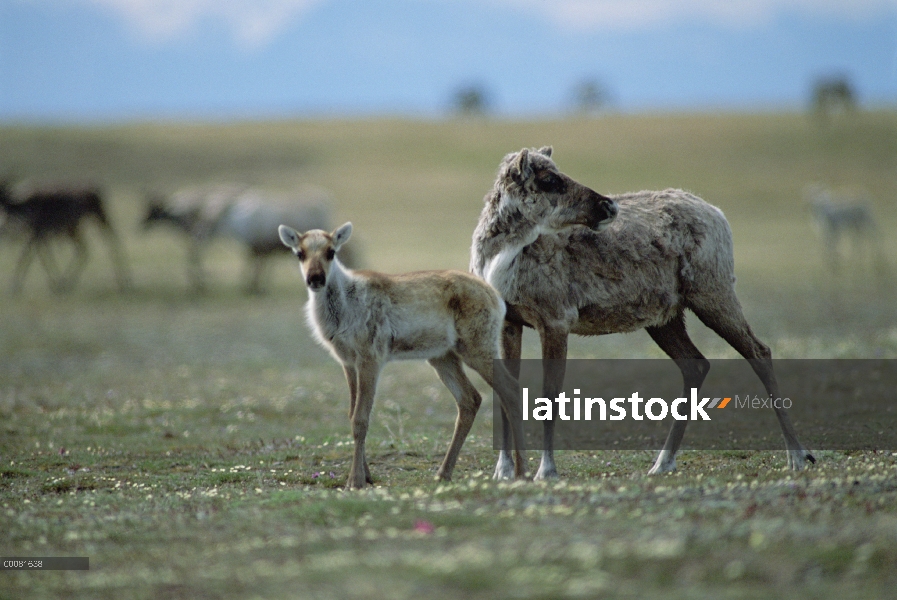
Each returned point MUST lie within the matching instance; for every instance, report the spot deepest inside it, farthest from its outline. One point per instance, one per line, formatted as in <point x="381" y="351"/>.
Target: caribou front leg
<point x="368" y="374"/>
<point x="511" y="342"/>
<point x="352" y="379"/>
<point x="554" y="367"/>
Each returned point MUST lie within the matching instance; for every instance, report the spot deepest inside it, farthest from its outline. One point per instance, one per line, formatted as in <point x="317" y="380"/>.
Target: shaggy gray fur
<point x="664" y="250"/>
<point x="568" y="260"/>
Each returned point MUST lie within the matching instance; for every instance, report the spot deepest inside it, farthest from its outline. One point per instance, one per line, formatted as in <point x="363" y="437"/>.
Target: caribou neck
<point x="502" y="233"/>
<point x="327" y="307"/>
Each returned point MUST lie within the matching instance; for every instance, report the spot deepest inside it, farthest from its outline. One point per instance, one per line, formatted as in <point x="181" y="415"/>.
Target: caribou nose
<point x="611" y="208"/>
<point x="316" y="281"/>
<point x="605" y="211"/>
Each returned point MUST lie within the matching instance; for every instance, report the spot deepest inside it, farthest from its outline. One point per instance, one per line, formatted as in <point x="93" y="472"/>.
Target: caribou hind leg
<point x="725" y="317"/>
<point x="468" y="399"/>
<point x="77" y="264"/>
<point x="673" y="339"/>
<point x="507" y="388"/>
<point x="117" y="254"/>
<point x="113" y="243"/>
<point x="32" y="247"/>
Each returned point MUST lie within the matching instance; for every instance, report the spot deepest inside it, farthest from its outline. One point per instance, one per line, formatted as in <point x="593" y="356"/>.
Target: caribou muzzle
<point x="602" y="212"/>
<point x="316" y="280"/>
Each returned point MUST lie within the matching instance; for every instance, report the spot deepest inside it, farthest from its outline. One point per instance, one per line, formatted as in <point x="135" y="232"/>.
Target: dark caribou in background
<point x="50" y="211"/>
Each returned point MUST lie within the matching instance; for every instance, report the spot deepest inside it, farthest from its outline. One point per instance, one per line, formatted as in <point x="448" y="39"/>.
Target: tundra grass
<point x="196" y="446"/>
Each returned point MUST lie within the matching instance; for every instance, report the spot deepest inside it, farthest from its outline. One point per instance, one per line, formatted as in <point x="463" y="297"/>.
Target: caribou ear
<point x="289" y="236"/>
<point x="341" y="235"/>
<point x="545" y="151"/>
<point x="521" y="166"/>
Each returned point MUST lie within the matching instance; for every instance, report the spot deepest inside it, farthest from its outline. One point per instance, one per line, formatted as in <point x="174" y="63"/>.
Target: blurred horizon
<point x="115" y="60"/>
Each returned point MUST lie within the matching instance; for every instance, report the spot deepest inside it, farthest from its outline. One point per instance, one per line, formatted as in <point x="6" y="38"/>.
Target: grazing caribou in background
<point x="844" y="215"/>
<point x="367" y="319"/>
<point x="569" y="260"/>
<point x="48" y="211"/>
<point x="245" y="214"/>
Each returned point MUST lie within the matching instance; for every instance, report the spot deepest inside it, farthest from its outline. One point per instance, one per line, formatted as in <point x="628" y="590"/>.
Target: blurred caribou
<point x="845" y="214"/>
<point x="242" y="213"/>
<point x="57" y="210"/>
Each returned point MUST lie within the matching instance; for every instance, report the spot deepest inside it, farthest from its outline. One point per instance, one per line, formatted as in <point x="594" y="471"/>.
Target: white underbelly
<point x="421" y="343"/>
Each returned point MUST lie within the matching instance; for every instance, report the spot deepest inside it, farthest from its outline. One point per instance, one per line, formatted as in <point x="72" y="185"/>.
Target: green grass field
<point x="195" y="446"/>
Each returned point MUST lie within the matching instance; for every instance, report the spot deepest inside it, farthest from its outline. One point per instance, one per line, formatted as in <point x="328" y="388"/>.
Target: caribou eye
<point x="300" y="254"/>
<point x="549" y="182"/>
<point x="330" y="253"/>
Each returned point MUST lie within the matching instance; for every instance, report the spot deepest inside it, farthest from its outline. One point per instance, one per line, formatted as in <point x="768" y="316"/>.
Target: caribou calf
<point x="366" y="319"/>
<point x="52" y="211"/>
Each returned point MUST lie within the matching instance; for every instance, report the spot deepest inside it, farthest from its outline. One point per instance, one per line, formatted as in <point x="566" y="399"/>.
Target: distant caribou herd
<point x="548" y="253"/>
<point x="242" y="213"/>
<point x="45" y="213"/>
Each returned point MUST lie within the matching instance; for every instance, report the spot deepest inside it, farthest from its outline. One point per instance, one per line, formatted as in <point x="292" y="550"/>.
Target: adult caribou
<point x="57" y="210"/>
<point x="569" y="260"/>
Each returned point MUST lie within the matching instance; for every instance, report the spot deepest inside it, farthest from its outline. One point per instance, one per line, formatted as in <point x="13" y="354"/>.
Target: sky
<point x="96" y="60"/>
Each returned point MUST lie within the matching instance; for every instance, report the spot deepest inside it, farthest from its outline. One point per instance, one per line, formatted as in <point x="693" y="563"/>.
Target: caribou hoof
<point x="504" y="468"/>
<point x="355" y="484"/>
<point x="547" y="470"/>
<point x="665" y="463"/>
<point x="797" y="459"/>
